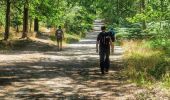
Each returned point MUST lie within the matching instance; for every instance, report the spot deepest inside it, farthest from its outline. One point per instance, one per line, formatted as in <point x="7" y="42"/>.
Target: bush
<point x="68" y="38"/>
<point x="143" y="64"/>
<point x="135" y="33"/>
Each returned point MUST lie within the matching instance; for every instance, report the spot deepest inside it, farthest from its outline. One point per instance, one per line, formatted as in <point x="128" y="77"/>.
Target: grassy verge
<point x="25" y="45"/>
<point x="68" y="38"/>
<point x="14" y="44"/>
<point x="146" y="65"/>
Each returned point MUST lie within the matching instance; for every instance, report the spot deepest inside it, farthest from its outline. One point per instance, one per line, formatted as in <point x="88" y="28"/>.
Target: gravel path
<point x="71" y="74"/>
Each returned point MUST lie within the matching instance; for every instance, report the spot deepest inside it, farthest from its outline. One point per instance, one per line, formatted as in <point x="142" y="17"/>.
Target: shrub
<point x="68" y="38"/>
<point x="144" y="64"/>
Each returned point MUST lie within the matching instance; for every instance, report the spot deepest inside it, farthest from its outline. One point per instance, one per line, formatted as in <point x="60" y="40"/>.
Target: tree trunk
<point x="36" y="25"/>
<point x="17" y="28"/>
<point x="30" y="24"/>
<point x="143" y="6"/>
<point x="162" y="10"/>
<point x="118" y="12"/>
<point x="17" y="25"/>
<point x="7" y="26"/>
<point x="25" y="20"/>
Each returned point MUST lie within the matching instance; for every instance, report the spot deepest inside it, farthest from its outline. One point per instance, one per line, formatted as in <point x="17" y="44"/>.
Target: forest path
<point x="71" y="74"/>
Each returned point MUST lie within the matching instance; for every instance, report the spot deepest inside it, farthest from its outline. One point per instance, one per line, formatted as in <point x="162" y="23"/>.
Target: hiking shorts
<point x="59" y="39"/>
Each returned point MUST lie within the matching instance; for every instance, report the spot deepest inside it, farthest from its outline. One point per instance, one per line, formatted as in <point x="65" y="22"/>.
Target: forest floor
<point x="71" y="74"/>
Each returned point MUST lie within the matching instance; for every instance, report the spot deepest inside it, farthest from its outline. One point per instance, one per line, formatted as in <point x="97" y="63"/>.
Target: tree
<point x="36" y="25"/>
<point x="143" y="7"/>
<point x="25" y="20"/>
<point x="7" y="24"/>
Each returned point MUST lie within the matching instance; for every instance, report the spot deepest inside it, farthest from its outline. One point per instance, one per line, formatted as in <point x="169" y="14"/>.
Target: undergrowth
<point x="146" y="65"/>
<point x="68" y="38"/>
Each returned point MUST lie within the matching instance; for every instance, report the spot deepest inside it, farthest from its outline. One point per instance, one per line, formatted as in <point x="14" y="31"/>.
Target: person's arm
<point x="97" y="46"/>
<point x="97" y="43"/>
<point x="112" y="45"/>
<point x="56" y="33"/>
<point x="114" y="36"/>
<point x="63" y="34"/>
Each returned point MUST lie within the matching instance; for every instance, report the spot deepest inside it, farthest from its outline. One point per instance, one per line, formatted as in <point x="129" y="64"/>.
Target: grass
<point x="25" y="45"/>
<point x="14" y="44"/>
<point x="68" y="38"/>
<point x="145" y="65"/>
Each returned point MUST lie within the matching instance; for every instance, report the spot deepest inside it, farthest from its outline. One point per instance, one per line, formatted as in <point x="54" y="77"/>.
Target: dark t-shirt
<point x="104" y="40"/>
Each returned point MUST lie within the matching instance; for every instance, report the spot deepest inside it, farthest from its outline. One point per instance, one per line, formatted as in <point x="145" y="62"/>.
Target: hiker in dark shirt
<point x="103" y="44"/>
<point x="59" y="36"/>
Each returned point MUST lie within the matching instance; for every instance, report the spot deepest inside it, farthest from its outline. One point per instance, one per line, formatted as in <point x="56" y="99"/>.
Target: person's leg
<point x="58" y="44"/>
<point x="102" y="56"/>
<point x="107" y="60"/>
<point x="113" y="47"/>
<point x="61" y="44"/>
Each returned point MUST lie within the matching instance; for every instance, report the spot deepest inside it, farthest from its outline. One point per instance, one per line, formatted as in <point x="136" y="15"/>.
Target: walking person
<point x="103" y="44"/>
<point x="113" y="37"/>
<point x="59" y="36"/>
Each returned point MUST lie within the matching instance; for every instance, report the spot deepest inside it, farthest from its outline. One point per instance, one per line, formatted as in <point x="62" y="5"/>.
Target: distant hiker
<point x="103" y="44"/>
<point x="113" y="36"/>
<point x="60" y="36"/>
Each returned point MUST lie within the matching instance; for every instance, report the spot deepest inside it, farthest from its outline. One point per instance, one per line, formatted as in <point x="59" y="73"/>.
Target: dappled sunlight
<point x="87" y="41"/>
<point x="71" y="74"/>
<point x="90" y="45"/>
<point x="55" y="81"/>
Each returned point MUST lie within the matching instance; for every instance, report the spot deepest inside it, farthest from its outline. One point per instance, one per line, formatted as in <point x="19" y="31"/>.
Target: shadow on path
<point x="72" y="74"/>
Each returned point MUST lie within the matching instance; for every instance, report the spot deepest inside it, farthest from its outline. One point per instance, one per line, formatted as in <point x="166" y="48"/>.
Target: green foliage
<point x="2" y="17"/>
<point x="146" y="65"/>
<point x="159" y="70"/>
<point x="68" y="38"/>
<point x="75" y="16"/>
<point x="72" y="38"/>
<point x="166" y="80"/>
<point x="160" y="36"/>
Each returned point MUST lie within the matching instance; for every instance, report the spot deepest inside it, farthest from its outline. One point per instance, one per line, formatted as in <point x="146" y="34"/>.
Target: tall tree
<point x="143" y="6"/>
<point x="25" y="20"/>
<point x="36" y="25"/>
<point x="118" y="10"/>
<point x="7" y="24"/>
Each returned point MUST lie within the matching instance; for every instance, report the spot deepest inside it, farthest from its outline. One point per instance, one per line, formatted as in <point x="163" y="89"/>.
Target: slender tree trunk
<point x="30" y="24"/>
<point x="17" y="28"/>
<point x="7" y="26"/>
<point x="143" y="6"/>
<point x="162" y="10"/>
<point x="118" y="12"/>
<point x="58" y="3"/>
<point x="36" y="25"/>
<point x="25" y="20"/>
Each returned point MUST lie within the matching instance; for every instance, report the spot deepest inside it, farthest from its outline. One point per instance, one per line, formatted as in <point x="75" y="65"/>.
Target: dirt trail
<point x="71" y="74"/>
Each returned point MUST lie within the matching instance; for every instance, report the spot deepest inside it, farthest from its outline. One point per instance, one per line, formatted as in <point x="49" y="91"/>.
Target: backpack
<point x="105" y="39"/>
<point x="112" y="35"/>
<point x="59" y="33"/>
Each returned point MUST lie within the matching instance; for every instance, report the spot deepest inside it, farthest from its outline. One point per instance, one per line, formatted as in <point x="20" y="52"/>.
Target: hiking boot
<point x="102" y="72"/>
<point x="106" y="70"/>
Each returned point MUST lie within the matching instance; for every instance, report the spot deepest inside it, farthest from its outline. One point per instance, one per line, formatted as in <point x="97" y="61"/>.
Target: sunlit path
<point x="72" y="74"/>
